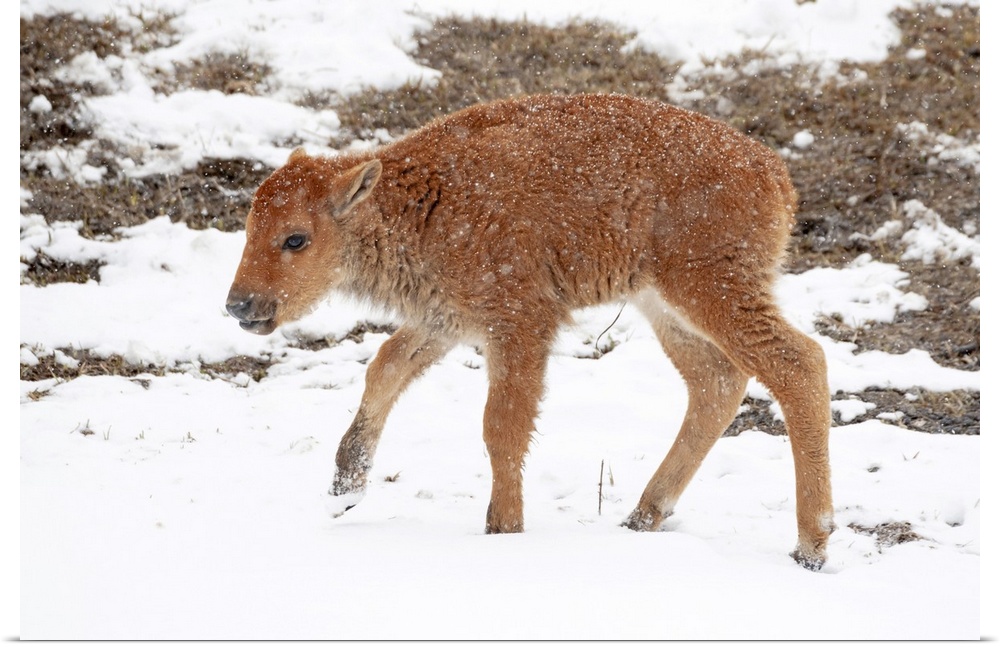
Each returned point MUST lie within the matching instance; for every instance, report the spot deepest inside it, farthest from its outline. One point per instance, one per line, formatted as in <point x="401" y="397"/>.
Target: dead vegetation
<point x="356" y="335"/>
<point x="854" y="177"/>
<point x="216" y="193"/>
<point x="70" y="363"/>
<point x="889" y="533"/>
<point x="228" y="73"/>
<point x="253" y="367"/>
<point x="947" y="412"/>
<point x="937" y="412"/>
<point x="947" y="329"/>
<point x="43" y="270"/>
<point x="755" y="415"/>
<point x="48" y="42"/>
<point x="861" y="165"/>
<point x="481" y="59"/>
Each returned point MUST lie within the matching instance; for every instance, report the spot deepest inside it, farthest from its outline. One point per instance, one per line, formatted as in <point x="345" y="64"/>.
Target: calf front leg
<point x="400" y="360"/>
<point x="517" y="376"/>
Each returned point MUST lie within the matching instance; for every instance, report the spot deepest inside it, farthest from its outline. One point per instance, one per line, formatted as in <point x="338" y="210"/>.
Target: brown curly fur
<point x="489" y="226"/>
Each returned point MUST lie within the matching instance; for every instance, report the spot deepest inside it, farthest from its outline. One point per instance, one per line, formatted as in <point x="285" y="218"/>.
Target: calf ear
<point x="354" y="186"/>
<point x="297" y="153"/>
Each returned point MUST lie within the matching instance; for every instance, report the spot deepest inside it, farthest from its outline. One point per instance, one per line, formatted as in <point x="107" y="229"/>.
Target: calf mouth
<point x="258" y="326"/>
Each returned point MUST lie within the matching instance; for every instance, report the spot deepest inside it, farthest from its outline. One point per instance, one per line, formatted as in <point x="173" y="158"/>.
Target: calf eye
<point x="294" y="242"/>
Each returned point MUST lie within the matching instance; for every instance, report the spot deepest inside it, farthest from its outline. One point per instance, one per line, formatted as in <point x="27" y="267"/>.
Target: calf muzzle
<point x="254" y="313"/>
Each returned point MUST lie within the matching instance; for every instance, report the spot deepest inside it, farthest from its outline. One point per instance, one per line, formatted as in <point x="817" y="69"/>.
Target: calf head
<point x="295" y="239"/>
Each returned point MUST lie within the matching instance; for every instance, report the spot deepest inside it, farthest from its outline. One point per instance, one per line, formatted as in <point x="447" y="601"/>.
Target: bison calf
<point x="490" y="225"/>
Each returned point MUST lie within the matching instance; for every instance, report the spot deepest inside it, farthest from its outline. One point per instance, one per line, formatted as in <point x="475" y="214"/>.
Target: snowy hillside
<point x="179" y="502"/>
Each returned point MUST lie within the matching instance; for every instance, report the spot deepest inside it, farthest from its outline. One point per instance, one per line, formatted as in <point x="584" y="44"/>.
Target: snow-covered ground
<point x="194" y="509"/>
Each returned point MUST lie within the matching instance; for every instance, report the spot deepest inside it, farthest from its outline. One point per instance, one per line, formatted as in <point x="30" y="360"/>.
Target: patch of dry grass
<point x="215" y="194"/>
<point x="75" y="363"/>
<point x="255" y="367"/>
<point x="889" y="533"/>
<point x="70" y="363"/>
<point x="947" y="329"/>
<point x="481" y="59"/>
<point x="228" y="73"/>
<point x="755" y="414"/>
<point x="939" y="412"/>
<point x="43" y="270"/>
<point x="861" y="166"/>
<point x="355" y="334"/>
<point x="48" y="42"/>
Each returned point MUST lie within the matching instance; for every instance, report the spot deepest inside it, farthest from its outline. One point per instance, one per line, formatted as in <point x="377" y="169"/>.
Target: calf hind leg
<point x="715" y="391"/>
<point x="749" y="328"/>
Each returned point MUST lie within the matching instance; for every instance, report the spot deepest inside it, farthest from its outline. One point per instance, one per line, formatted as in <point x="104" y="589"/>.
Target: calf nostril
<point x="239" y="308"/>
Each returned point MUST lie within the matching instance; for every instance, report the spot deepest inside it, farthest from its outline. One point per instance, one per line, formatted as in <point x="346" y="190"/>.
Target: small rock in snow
<point x="803" y="139"/>
<point x="40" y="104"/>
<point x="848" y="410"/>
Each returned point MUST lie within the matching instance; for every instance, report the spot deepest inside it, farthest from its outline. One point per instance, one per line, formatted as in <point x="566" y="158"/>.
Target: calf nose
<point x="239" y="307"/>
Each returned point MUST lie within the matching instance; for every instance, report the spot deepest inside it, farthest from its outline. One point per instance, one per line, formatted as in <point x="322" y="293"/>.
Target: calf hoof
<point x="811" y="560"/>
<point x="497" y="526"/>
<point x="501" y="529"/>
<point x="643" y="521"/>
<point x="338" y="502"/>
